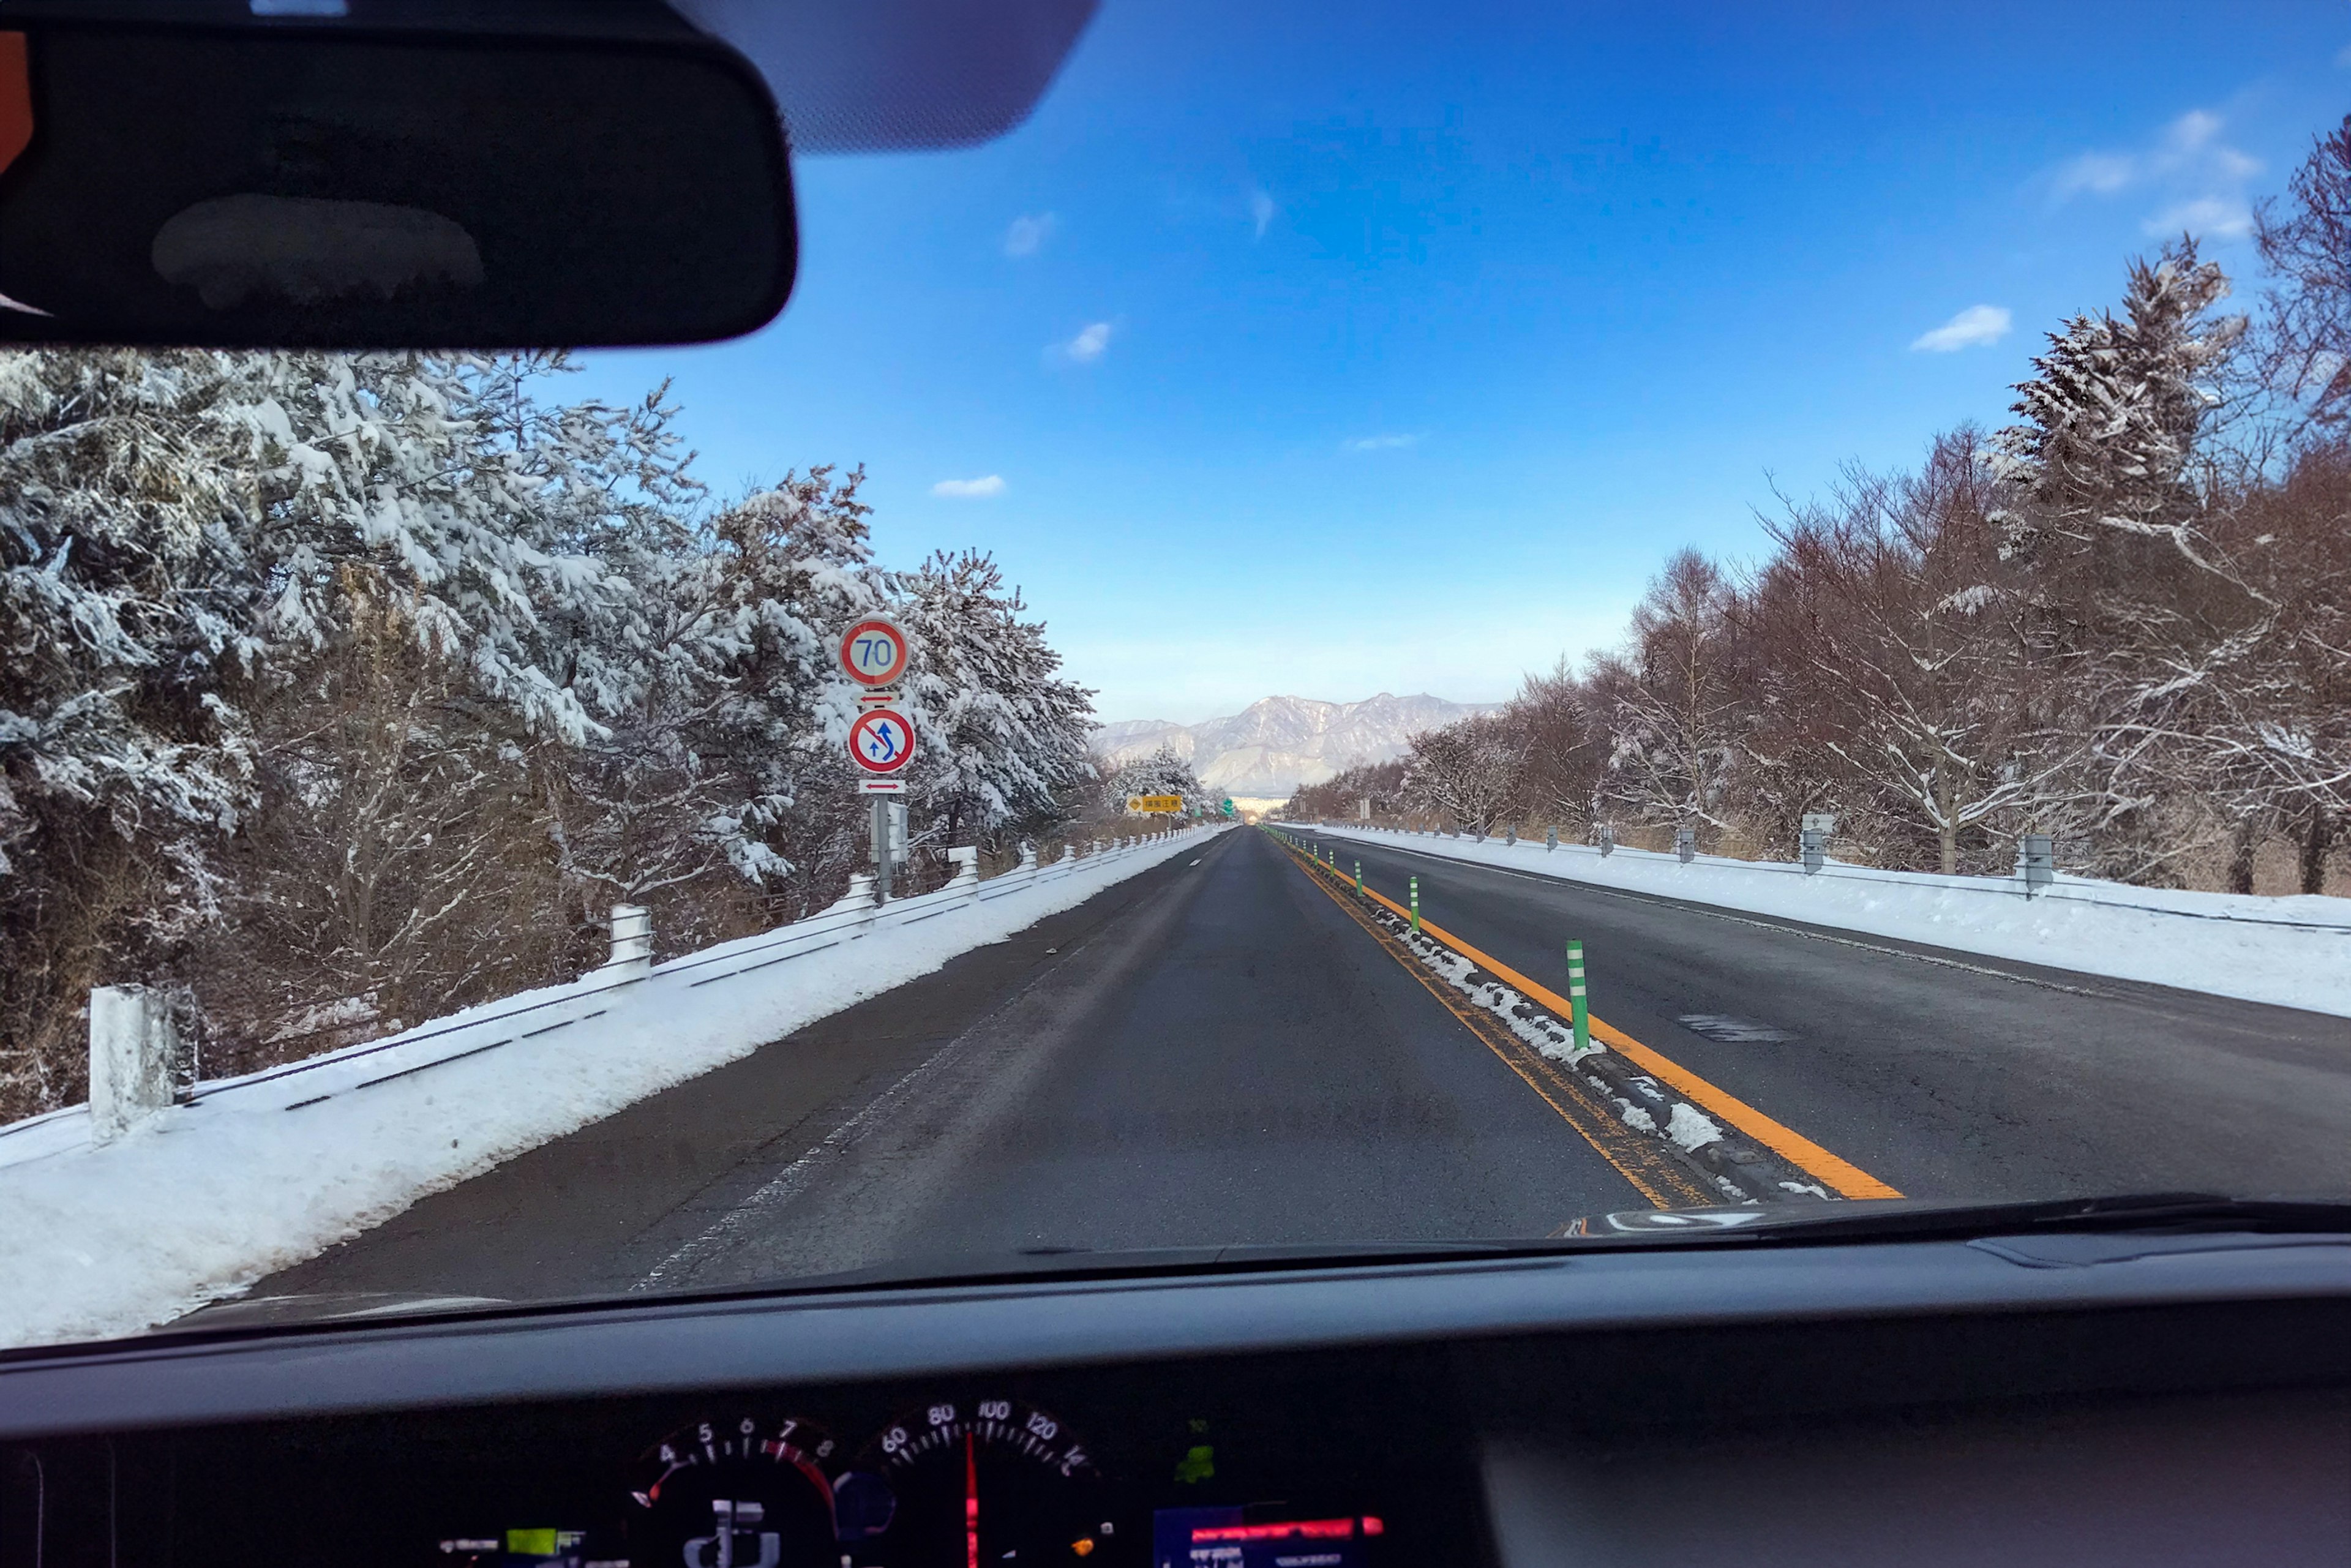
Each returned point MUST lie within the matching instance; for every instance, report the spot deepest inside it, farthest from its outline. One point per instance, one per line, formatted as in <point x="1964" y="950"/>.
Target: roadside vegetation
<point x="2123" y="621"/>
<point x="343" y="690"/>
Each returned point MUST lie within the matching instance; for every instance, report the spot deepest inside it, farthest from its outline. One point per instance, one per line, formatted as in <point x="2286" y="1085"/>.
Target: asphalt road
<point x="1212" y="1052"/>
<point x="1220" y="1050"/>
<point x="1940" y="1079"/>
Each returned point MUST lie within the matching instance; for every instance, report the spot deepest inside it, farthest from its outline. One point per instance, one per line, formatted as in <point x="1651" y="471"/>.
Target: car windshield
<point x="1379" y="625"/>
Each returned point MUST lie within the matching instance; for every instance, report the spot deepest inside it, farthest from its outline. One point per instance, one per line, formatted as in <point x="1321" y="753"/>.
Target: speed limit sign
<point x="874" y="651"/>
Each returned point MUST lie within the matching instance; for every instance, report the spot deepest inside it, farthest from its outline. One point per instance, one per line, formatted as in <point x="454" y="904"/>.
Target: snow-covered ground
<point x="2295" y="952"/>
<point x="262" y="1171"/>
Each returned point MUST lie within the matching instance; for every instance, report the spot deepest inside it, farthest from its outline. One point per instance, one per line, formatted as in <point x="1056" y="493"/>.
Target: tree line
<point x="2124" y="619"/>
<point x="344" y="690"/>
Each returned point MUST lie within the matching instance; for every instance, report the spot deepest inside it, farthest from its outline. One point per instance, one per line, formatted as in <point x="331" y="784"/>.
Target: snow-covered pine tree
<point x="1004" y="737"/>
<point x="2148" y="620"/>
<point x="2111" y="417"/>
<point x="127" y="599"/>
<point x="1160" y="772"/>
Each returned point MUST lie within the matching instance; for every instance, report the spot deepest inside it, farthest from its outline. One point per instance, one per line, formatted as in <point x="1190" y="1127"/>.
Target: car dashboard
<point x="1920" y="1403"/>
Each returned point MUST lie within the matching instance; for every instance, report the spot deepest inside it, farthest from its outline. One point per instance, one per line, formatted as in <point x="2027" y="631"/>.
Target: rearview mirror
<point x="409" y="173"/>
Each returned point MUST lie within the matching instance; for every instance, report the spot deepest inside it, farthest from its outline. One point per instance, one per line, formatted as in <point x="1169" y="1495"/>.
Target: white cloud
<point x="2214" y="217"/>
<point x="2191" y="131"/>
<point x="1381" y="443"/>
<point x="1028" y="234"/>
<point x="964" y="489"/>
<point x="2101" y="174"/>
<point x="1971" y="328"/>
<point x="2201" y="178"/>
<point x="1085" y="348"/>
<point x="1262" y="211"/>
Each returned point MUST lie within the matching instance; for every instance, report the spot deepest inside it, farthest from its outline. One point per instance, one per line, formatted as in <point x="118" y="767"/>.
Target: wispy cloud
<point x="2100" y="174"/>
<point x="2200" y="176"/>
<point x="2342" y="55"/>
<point x="1971" y="328"/>
<point x="1262" y="211"/>
<point x="1029" y="233"/>
<point x="967" y="489"/>
<point x="1380" y="443"/>
<point x="2222" y="217"/>
<point x="1091" y="343"/>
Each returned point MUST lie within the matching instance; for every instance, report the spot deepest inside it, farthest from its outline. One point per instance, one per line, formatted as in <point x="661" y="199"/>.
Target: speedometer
<point x="993" y="1481"/>
<point x="736" y="1493"/>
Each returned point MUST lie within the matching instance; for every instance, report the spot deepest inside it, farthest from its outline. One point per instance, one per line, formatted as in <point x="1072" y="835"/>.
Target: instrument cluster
<point x="986" y="1482"/>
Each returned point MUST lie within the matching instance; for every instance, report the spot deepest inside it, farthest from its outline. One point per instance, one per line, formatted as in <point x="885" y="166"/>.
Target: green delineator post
<point x="1415" y="906"/>
<point x="1581" y="1014"/>
<point x="1359" y="879"/>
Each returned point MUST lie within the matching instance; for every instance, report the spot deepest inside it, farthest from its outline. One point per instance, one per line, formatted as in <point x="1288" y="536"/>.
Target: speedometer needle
<point x="970" y="1504"/>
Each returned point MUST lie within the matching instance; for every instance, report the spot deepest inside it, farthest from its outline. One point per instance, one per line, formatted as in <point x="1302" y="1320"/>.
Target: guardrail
<point x="137" y="1061"/>
<point x="2063" y="889"/>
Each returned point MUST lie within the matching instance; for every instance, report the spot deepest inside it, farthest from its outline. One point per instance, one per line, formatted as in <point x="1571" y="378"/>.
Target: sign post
<point x="874" y="653"/>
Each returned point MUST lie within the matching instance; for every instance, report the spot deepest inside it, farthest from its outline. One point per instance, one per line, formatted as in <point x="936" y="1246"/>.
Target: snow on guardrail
<point x="257" y="1172"/>
<point x="2294" y="951"/>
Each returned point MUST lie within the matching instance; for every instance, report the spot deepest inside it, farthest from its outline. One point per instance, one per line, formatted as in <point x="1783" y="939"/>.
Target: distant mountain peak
<point x="1278" y="743"/>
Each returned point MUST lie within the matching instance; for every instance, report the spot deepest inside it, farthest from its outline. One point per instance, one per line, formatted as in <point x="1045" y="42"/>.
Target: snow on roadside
<point x="260" y="1173"/>
<point x="2294" y="952"/>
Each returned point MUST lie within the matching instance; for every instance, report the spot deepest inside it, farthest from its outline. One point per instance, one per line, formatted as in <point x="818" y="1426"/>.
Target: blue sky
<point x="1333" y="350"/>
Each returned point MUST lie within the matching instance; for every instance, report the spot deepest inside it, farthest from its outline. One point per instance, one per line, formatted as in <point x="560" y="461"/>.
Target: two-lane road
<point x="1219" y="1050"/>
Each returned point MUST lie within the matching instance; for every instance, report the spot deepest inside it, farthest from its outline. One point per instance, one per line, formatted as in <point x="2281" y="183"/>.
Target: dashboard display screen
<point x="1235" y="1538"/>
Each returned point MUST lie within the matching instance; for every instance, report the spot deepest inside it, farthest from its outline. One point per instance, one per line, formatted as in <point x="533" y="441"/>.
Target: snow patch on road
<point x="1691" y="1130"/>
<point x="259" y="1173"/>
<point x="2291" y="952"/>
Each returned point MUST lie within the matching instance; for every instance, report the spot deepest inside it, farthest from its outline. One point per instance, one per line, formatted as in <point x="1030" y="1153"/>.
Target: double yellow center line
<point x="1839" y="1175"/>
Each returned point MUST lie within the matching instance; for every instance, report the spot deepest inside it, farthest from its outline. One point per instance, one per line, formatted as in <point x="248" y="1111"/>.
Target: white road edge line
<point x="795" y="1178"/>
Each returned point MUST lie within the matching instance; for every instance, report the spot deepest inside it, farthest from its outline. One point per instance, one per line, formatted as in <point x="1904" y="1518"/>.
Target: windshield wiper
<point x="1916" y="1220"/>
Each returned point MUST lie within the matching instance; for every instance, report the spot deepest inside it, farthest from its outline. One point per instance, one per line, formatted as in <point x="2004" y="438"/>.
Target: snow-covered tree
<point x="1675" y="714"/>
<point x="1162" y="772"/>
<point x="2111" y="417"/>
<point x="1467" y="771"/>
<point x="1895" y="615"/>
<point x="127" y="608"/>
<point x="1003" y="736"/>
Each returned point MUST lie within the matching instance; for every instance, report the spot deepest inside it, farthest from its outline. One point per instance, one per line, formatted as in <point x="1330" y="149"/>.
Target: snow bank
<point x="2295" y="952"/>
<point x="262" y="1171"/>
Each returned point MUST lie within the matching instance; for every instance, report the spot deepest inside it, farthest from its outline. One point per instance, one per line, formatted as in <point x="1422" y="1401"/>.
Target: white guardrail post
<point x="131" y="1049"/>
<point x="632" y="942"/>
<point x="966" y="861"/>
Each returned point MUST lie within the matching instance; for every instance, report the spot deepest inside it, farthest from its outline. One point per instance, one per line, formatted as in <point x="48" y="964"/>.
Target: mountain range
<point x="1276" y="744"/>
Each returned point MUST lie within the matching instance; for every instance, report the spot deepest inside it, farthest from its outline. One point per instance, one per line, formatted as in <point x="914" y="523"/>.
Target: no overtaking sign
<point x="881" y="741"/>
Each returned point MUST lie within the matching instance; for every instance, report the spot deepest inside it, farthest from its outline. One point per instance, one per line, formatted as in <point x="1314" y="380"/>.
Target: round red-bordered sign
<point x="874" y="651"/>
<point x="881" y="740"/>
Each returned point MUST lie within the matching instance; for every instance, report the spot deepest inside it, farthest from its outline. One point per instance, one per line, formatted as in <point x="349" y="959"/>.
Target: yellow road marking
<point x="1841" y="1177"/>
<point x="1614" y="1142"/>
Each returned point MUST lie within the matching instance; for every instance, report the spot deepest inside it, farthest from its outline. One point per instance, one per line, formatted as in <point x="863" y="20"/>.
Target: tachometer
<point x="993" y="1482"/>
<point x="743" y="1494"/>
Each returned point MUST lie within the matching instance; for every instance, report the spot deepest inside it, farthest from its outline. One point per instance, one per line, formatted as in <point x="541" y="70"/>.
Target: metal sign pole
<point x="880" y="849"/>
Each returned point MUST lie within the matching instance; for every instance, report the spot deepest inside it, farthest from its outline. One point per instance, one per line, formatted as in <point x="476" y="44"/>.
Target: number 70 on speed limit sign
<point x="874" y="651"/>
